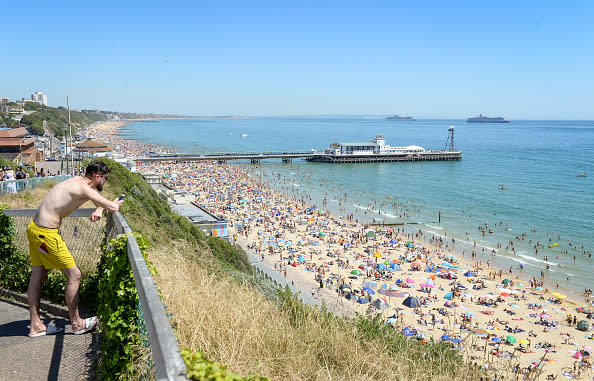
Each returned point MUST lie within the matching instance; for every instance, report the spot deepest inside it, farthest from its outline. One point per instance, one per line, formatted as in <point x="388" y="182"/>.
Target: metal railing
<point x="16" y="186"/>
<point x="84" y="246"/>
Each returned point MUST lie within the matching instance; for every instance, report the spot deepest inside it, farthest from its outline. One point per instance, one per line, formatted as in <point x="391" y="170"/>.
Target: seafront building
<point x="17" y="145"/>
<point x="39" y="97"/>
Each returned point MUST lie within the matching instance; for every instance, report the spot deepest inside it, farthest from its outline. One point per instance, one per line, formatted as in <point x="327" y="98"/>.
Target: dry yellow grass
<point x="239" y="327"/>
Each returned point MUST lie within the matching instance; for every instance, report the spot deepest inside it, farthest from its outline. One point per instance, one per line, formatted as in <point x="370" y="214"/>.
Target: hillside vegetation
<point x="219" y="307"/>
<point x="57" y="118"/>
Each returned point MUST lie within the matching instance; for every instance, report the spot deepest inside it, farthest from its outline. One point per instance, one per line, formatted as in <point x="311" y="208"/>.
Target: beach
<point x="411" y="278"/>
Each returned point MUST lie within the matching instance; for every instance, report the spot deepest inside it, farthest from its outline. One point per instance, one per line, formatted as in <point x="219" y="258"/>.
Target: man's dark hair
<point x="96" y="168"/>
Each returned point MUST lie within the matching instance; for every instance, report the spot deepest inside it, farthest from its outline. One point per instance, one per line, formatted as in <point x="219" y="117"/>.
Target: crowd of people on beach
<point x="420" y="288"/>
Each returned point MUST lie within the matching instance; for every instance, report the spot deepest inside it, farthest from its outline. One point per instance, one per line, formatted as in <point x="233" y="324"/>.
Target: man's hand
<point x="97" y="214"/>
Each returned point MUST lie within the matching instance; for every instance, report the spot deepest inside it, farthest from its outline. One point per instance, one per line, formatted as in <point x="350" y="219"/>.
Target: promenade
<point x="57" y="357"/>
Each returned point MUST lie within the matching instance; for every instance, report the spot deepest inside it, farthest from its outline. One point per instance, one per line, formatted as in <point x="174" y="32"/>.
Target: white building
<point x="39" y="97"/>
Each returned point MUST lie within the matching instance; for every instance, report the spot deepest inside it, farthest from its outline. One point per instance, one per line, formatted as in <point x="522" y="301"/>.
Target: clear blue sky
<point x="518" y="59"/>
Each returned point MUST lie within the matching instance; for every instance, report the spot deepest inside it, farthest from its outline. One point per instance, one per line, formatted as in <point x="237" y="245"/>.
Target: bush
<point x="12" y="260"/>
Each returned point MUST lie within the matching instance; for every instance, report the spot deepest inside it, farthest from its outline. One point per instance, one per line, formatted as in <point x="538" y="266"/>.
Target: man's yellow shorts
<point x="47" y="248"/>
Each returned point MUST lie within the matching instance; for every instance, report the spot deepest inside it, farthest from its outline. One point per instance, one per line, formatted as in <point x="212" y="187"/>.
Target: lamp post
<point x="70" y="128"/>
<point x="66" y="148"/>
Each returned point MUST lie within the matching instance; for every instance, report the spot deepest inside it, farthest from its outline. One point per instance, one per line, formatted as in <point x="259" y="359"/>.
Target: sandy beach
<point x="418" y="286"/>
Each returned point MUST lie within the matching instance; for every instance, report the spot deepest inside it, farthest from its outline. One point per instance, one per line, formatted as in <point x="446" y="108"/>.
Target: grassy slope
<point x="218" y="305"/>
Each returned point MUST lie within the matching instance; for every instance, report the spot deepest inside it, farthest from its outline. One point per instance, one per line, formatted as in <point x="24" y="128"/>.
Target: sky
<point x="428" y="59"/>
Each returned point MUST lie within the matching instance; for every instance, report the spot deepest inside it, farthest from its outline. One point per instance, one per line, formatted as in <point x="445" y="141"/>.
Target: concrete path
<point x="57" y="357"/>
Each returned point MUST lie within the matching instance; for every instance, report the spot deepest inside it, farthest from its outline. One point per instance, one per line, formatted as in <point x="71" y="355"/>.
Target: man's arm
<point x="101" y="202"/>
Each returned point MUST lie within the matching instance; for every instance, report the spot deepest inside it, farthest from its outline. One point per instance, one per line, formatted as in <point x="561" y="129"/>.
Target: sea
<point x="517" y="188"/>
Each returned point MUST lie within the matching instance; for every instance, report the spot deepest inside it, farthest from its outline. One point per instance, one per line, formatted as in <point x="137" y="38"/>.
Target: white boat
<point x="244" y="135"/>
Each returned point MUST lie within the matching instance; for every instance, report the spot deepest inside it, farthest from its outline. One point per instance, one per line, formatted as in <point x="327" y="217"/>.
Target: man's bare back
<point x="69" y="195"/>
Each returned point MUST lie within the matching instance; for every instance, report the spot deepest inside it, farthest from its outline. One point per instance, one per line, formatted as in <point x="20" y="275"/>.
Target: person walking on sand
<point x="48" y="250"/>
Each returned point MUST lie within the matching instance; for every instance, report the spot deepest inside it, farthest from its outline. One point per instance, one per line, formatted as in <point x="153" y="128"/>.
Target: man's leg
<point x="38" y="275"/>
<point x="73" y="275"/>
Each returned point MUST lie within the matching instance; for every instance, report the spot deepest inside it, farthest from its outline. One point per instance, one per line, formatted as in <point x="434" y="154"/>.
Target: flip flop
<point x="50" y="330"/>
<point x="90" y="323"/>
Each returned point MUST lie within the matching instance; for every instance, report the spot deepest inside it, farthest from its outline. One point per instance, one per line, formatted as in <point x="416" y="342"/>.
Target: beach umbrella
<point x="469" y="273"/>
<point x="496" y="339"/>
<point x="392" y="320"/>
<point x="380" y="304"/>
<point x="409" y="280"/>
<point x="427" y="285"/>
<point x="407" y="332"/>
<point x="544" y="316"/>
<point x="511" y="339"/>
<point x="362" y="300"/>
<point x="356" y="272"/>
<point x="371" y="284"/>
<point x="445" y="338"/>
<point x="412" y="302"/>
<point x="506" y="281"/>
<point x="505" y="294"/>
<point x="523" y="342"/>
<point x="577" y="355"/>
<point x="393" y="293"/>
<point x="480" y="332"/>
<point x="301" y="258"/>
<point x="369" y="290"/>
<point x="456" y="340"/>
<point x="448" y="296"/>
<point x="515" y="306"/>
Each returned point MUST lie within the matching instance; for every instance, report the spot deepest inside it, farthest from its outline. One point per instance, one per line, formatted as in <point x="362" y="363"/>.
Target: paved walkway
<point x="57" y="357"/>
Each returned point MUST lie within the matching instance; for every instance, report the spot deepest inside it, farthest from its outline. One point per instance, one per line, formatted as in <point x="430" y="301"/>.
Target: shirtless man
<point x="48" y="250"/>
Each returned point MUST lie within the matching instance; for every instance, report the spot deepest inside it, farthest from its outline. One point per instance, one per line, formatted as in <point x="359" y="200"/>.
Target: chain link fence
<point x="82" y="237"/>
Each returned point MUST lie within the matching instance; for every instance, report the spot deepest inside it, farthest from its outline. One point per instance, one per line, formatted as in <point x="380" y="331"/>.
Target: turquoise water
<point x="537" y="161"/>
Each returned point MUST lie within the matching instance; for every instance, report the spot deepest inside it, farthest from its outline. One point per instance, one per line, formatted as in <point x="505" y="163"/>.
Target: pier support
<point x="287" y="160"/>
<point x="255" y="161"/>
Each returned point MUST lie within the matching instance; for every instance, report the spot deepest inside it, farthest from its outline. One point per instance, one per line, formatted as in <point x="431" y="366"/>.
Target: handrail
<point x="169" y="363"/>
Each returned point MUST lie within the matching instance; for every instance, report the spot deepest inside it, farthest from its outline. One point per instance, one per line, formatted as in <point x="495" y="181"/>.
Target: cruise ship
<point x="485" y="119"/>
<point x="398" y="117"/>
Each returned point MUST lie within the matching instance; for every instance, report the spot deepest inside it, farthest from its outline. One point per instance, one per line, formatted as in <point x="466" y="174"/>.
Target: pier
<point x="318" y="157"/>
